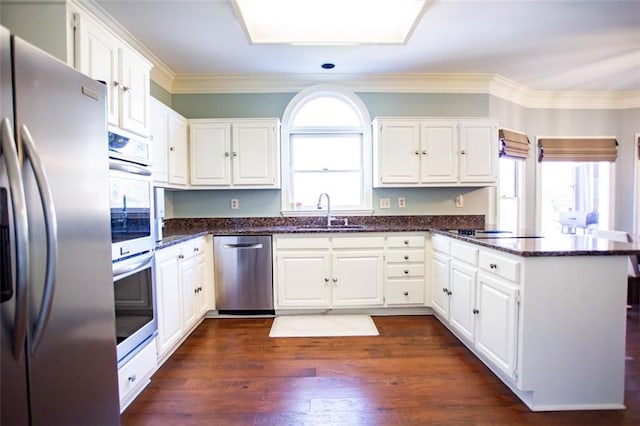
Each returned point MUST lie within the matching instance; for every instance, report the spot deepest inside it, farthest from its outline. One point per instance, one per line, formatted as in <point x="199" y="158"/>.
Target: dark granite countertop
<point x="556" y="245"/>
<point x="180" y="230"/>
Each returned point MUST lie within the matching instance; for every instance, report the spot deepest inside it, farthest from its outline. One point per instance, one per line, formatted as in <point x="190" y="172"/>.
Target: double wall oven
<point x="132" y="242"/>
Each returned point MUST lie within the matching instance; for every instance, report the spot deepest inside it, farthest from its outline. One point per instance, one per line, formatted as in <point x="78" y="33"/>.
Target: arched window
<point x="326" y="147"/>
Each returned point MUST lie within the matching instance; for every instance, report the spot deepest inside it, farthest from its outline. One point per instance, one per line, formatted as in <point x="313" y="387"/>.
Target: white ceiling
<point x="557" y="45"/>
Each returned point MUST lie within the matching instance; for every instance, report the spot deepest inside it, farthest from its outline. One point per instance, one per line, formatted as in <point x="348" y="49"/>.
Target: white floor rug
<point x="323" y="326"/>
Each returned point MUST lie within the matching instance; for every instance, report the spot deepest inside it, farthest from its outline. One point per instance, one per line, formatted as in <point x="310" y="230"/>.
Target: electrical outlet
<point x="459" y="201"/>
<point x="385" y="203"/>
<point x="235" y="204"/>
<point x="401" y="203"/>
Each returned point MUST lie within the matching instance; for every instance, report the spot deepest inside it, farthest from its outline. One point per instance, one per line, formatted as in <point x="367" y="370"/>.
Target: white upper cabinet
<point x="103" y="56"/>
<point x="432" y="152"/>
<point x="243" y="153"/>
<point x="169" y="145"/>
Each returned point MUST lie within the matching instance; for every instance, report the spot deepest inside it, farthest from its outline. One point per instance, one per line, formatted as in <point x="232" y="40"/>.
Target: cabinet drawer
<point x="411" y="270"/>
<point x="303" y="243"/>
<point x="134" y="374"/>
<point x="358" y="242"/>
<point x="440" y="243"/>
<point x="405" y="256"/>
<point x="405" y="292"/>
<point x="465" y="252"/>
<point x="193" y="247"/>
<point x="499" y="265"/>
<point x="405" y="241"/>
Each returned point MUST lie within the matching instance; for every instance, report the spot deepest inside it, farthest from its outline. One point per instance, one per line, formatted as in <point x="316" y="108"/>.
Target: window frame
<point x="296" y="103"/>
<point x="519" y="193"/>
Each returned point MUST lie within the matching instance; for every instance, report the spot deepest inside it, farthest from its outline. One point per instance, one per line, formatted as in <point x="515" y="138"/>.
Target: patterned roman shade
<point x="513" y="144"/>
<point x="577" y="149"/>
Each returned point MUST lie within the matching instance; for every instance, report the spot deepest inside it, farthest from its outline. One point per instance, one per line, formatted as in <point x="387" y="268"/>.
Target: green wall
<point x="160" y="94"/>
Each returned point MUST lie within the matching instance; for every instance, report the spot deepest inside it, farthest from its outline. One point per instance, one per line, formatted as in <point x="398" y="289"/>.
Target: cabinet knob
<point x="476" y="312"/>
<point x="200" y="288"/>
<point x="335" y="280"/>
<point x="493" y="266"/>
<point x="449" y="292"/>
<point x="326" y="280"/>
<point x="235" y="154"/>
<point x="195" y="290"/>
<point x="463" y="152"/>
<point x="116" y="84"/>
<point x="181" y="256"/>
<point x="226" y="154"/>
<point x="406" y="293"/>
<point x="406" y="242"/>
<point x="424" y="152"/>
<point x="406" y="257"/>
<point x="127" y="89"/>
<point x="406" y="271"/>
<point x="132" y="378"/>
<point x="444" y="290"/>
<point x="172" y="148"/>
<point x="196" y="249"/>
<point x="417" y="152"/>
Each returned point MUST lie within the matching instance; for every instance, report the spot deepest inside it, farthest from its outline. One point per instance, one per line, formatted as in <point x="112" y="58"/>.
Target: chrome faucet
<point x="329" y="218"/>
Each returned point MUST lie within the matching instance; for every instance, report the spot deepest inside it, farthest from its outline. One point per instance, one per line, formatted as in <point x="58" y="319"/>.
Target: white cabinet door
<point x="168" y="299"/>
<point x="478" y="152"/>
<point x="462" y="298"/>
<point x="496" y="326"/>
<point x="177" y="140"/>
<point x="134" y="98"/>
<point x="357" y="278"/>
<point x="201" y="286"/>
<point x="210" y="153"/>
<point x="97" y="55"/>
<point x="398" y="152"/>
<point x="159" y="126"/>
<point x="440" y="284"/>
<point x="304" y="279"/>
<point x="439" y="152"/>
<point x="254" y="153"/>
<point x="188" y="277"/>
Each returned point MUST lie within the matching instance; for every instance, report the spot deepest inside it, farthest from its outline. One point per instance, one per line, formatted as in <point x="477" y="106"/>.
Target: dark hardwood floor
<point x="229" y="372"/>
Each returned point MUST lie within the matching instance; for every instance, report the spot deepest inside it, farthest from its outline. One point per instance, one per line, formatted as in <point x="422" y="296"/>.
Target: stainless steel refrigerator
<point x="58" y="353"/>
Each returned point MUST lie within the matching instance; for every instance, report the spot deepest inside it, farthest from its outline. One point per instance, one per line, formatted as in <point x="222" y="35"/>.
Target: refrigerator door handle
<point x="51" y="229"/>
<point x="21" y="225"/>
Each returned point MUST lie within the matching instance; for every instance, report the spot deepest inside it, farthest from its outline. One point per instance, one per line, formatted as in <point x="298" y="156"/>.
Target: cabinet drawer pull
<point x="406" y="271"/>
<point x="406" y="257"/>
<point x="132" y="378"/>
<point x="475" y="311"/>
<point x="406" y="242"/>
<point x="493" y="266"/>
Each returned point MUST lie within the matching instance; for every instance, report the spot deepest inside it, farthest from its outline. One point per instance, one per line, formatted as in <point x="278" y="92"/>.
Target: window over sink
<point x="326" y="147"/>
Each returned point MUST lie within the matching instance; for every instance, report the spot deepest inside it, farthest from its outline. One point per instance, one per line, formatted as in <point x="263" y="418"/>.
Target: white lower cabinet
<point x="405" y="270"/>
<point x="134" y="376"/>
<point x="480" y="306"/>
<point x="184" y="287"/>
<point x="326" y="272"/>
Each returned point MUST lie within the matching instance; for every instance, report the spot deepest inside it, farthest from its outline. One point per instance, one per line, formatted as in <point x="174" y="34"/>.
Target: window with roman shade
<point x="577" y="149"/>
<point x="513" y="144"/>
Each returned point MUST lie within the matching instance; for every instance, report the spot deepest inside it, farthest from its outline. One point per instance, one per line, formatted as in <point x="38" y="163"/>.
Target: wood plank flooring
<point x="229" y="372"/>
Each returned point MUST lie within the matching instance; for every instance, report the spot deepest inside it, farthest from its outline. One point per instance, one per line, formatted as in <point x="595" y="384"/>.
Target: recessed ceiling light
<point x="329" y="22"/>
<point x="328" y="66"/>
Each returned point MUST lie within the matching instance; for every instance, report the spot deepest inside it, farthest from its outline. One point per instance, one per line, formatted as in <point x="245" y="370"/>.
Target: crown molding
<point x="292" y="83"/>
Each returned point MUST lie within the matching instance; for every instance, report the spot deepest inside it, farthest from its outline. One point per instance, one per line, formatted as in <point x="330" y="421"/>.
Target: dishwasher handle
<point x="243" y="246"/>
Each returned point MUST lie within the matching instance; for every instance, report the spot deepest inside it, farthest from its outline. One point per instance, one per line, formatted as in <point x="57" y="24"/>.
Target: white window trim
<point x="522" y="167"/>
<point x="367" y="148"/>
<point x="538" y="186"/>
<point x="636" y="187"/>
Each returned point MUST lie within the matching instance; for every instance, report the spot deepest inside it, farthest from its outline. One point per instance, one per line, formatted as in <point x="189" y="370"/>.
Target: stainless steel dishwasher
<point x="243" y="274"/>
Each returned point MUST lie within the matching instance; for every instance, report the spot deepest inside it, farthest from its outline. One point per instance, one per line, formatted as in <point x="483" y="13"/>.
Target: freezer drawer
<point x="243" y="274"/>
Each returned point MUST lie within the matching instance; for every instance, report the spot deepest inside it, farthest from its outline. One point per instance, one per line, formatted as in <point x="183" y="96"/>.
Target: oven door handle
<point x="120" y="272"/>
<point x="128" y="167"/>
